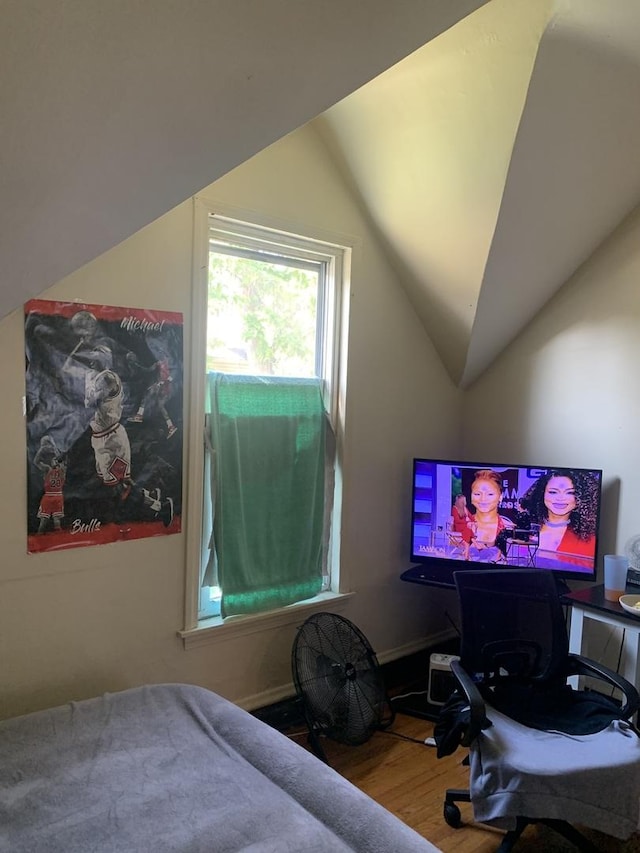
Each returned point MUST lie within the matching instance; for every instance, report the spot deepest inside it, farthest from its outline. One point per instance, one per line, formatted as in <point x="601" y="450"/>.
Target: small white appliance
<point x="441" y="680"/>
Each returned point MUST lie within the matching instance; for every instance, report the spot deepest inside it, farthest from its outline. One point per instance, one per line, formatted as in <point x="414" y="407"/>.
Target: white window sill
<point x="216" y="628"/>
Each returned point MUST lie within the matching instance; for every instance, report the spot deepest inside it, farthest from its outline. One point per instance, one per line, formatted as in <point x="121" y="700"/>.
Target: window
<point x="268" y="306"/>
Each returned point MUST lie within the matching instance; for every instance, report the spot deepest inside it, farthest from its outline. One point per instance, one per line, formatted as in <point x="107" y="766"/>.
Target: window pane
<point x="262" y="316"/>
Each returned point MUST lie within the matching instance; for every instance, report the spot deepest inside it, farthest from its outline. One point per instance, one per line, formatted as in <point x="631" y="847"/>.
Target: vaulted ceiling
<point x="494" y="161"/>
<point x="493" y="145"/>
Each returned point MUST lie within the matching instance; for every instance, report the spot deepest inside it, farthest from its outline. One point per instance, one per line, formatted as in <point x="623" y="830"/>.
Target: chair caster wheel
<point x="452" y="815"/>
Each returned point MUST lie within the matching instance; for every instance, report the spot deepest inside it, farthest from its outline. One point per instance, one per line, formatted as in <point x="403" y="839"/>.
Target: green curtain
<point x="268" y="436"/>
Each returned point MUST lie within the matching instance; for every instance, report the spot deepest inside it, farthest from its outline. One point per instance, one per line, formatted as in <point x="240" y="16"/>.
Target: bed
<point x="177" y="768"/>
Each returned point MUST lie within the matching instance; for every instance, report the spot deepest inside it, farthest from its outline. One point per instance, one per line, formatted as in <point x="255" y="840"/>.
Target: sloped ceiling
<point x="112" y="113"/>
<point x="574" y="173"/>
<point x="494" y="160"/>
<point x="427" y="147"/>
<point x="493" y="145"/>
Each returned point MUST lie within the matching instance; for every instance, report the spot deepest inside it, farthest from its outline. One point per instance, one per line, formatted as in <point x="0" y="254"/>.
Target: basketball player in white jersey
<point x="111" y="445"/>
<point x="109" y="438"/>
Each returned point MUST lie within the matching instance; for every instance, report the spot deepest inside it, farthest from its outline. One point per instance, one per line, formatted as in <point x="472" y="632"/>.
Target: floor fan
<point x="339" y="682"/>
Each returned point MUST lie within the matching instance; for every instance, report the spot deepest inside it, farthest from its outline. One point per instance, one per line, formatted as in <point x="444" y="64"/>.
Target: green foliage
<point x="265" y="310"/>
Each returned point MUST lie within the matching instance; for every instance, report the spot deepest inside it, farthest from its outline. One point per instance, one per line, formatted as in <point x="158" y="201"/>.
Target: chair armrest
<point x="477" y="714"/>
<point x="580" y="665"/>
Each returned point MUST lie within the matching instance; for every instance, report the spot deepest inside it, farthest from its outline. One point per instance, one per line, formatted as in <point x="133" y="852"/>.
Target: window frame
<point x="336" y="252"/>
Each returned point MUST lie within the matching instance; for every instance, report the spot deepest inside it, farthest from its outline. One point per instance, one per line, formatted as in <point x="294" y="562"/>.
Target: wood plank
<point x="410" y="781"/>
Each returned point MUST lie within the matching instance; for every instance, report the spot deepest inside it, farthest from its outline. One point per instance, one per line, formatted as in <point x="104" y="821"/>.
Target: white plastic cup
<point x="615" y="576"/>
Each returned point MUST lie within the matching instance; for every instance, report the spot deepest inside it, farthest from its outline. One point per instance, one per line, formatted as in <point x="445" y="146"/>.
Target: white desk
<point x="590" y="603"/>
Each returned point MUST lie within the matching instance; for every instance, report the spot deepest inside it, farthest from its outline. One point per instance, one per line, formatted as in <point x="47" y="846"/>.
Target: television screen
<point x="470" y="513"/>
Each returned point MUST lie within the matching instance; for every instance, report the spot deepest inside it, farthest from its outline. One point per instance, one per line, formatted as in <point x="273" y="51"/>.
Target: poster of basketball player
<point x="104" y="390"/>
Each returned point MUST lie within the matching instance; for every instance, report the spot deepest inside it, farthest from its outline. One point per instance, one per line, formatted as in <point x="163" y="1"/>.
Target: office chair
<point x="540" y="751"/>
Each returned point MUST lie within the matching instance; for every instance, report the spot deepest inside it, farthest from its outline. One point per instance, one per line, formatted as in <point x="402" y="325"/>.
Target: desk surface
<point x="426" y="576"/>
<point x="592" y="598"/>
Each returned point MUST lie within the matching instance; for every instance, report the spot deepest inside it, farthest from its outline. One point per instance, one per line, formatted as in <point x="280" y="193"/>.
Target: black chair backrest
<point x="513" y="625"/>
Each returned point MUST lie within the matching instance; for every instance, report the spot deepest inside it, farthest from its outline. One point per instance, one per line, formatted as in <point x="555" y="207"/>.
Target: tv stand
<point x="443" y="577"/>
<point x="429" y="577"/>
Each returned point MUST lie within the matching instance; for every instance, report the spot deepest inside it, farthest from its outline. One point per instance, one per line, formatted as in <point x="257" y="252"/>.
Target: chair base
<point x="453" y="818"/>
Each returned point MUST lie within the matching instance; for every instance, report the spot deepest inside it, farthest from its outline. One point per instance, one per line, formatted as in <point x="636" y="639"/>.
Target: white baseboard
<point x="288" y="691"/>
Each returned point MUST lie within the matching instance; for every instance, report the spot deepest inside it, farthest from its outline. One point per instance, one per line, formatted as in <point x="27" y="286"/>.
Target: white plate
<point x="627" y="602"/>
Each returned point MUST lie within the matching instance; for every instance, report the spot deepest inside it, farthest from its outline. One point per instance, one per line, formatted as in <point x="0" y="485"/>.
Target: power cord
<point x="453" y="624"/>
<point x="624" y="631"/>
<point x="294" y="735"/>
<point x="429" y="741"/>
<point x="618" y="633"/>
<point x="411" y="693"/>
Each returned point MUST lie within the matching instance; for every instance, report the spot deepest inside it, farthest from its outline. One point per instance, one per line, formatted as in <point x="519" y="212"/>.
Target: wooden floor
<point x="409" y="780"/>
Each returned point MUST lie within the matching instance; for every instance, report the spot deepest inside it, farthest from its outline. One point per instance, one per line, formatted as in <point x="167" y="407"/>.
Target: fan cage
<point x="339" y="681"/>
<point x="632" y="551"/>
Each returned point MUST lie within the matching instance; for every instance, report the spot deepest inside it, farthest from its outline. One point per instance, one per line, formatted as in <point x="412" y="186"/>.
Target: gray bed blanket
<point x="177" y="768"/>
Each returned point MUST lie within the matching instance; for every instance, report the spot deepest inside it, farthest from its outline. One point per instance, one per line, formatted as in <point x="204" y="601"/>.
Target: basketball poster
<point x="104" y="393"/>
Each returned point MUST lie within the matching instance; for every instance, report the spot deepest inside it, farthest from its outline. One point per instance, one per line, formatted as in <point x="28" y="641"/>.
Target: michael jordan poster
<point x="104" y="424"/>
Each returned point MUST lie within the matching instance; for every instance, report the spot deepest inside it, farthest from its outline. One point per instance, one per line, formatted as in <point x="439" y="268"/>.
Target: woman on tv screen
<point x="564" y="503"/>
<point x="462" y="522"/>
<point x="486" y="493"/>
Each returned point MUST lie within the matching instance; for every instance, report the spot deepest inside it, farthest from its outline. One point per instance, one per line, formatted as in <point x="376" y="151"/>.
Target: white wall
<point x="566" y="392"/>
<point x="76" y="623"/>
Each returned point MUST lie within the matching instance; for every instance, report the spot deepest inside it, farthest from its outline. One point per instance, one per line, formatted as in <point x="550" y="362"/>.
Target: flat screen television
<point x="489" y="515"/>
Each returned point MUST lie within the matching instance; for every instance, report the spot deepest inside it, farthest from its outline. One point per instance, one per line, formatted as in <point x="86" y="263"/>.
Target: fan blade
<point x="337" y="675"/>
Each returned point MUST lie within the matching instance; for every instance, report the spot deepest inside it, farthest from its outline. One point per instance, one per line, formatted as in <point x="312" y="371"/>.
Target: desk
<point x="590" y="603"/>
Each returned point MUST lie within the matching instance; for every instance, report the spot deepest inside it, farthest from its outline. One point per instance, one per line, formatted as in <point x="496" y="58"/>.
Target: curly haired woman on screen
<point x="564" y="502"/>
